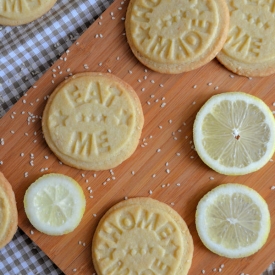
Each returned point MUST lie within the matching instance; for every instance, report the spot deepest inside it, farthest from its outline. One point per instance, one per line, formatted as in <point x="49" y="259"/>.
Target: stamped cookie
<point x="93" y="121"/>
<point x="249" y="49"/>
<point x="19" y="12"/>
<point x="8" y="212"/>
<point x="142" y="236"/>
<point x="175" y="36"/>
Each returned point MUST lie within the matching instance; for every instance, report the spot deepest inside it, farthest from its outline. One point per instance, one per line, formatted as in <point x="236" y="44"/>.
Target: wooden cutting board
<point x="170" y="103"/>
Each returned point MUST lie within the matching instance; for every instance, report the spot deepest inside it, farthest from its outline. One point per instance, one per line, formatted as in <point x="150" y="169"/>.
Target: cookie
<point x="175" y="36"/>
<point x="142" y="236"/>
<point x="249" y="49"/>
<point x="19" y="12"/>
<point x="93" y="121"/>
<point x="8" y="212"/>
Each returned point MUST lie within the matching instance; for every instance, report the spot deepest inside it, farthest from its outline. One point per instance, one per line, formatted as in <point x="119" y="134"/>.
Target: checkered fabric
<point x="26" y="52"/>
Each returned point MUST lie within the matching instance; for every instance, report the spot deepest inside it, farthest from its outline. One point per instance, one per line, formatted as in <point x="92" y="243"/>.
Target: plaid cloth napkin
<point x="26" y="52"/>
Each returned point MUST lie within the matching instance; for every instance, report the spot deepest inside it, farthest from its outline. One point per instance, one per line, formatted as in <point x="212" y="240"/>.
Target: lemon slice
<point x="233" y="220"/>
<point x="234" y="133"/>
<point x="54" y="204"/>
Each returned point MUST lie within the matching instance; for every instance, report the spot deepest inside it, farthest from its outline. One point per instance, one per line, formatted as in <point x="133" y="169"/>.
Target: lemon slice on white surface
<point x="234" y="133"/>
<point x="55" y="204"/>
<point x="233" y="220"/>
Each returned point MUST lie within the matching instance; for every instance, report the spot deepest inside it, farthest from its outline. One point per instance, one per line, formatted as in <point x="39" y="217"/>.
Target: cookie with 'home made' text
<point x="93" y="121"/>
<point x="249" y="49"/>
<point x="175" y="36"/>
<point x="19" y="12"/>
<point x="142" y="236"/>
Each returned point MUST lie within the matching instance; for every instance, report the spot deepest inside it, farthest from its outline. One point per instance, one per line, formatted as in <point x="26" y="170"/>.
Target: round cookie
<point x="142" y="236"/>
<point x="93" y="121"/>
<point x="19" y="12"/>
<point x="175" y="36"/>
<point x="8" y="212"/>
<point x="249" y="49"/>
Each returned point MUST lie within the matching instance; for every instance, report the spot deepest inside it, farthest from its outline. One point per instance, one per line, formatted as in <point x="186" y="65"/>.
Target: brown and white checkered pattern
<point x="26" y="52"/>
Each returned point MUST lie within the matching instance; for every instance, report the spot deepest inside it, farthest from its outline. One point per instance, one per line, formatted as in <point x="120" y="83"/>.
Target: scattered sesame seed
<point x="158" y="150"/>
<point x="150" y="192"/>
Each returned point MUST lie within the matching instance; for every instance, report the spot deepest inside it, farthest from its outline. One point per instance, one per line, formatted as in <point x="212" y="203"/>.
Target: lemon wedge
<point x="54" y="204"/>
<point x="233" y="220"/>
<point x="234" y="133"/>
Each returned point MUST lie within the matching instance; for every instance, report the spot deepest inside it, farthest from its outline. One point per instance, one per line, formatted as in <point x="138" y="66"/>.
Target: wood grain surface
<point x="165" y="165"/>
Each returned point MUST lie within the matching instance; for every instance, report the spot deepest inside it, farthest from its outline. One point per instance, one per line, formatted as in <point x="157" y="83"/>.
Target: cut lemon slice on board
<point x="233" y="220"/>
<point x="55" y="204"/>
<point x="234" y="133"/>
